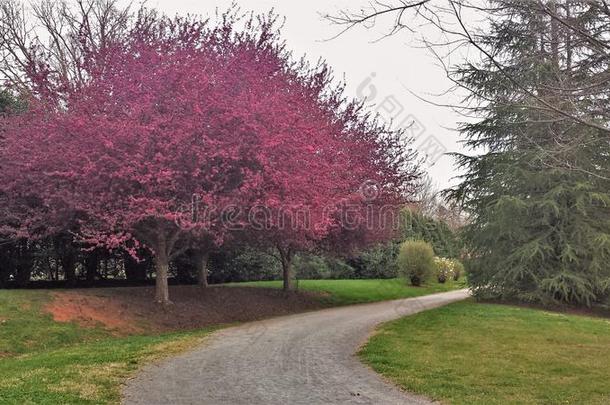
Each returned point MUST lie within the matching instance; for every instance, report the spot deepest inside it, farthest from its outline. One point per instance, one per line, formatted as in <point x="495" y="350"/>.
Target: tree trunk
<point x="161" y="269"/>
<point x="201" y="263"/>
<point x="69" y="266"/>
<point x="186" y="268"/>
<point x="67" y="257"/>
<point x="24" y="265"/>
<point x="91" y="262"/>
<point x="134" y="270"/>
<point x="24" y="273"/>
<point x="4" y="268"/>
<point x="4" y="276"/>
<point x="554" y="37"/>
<point x="286" y="258"/>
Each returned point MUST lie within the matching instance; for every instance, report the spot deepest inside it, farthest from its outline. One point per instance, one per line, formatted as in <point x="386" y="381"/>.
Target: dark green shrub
<point x="416" y="261"/>
<point x="242" y="264"/>
<point x="339" y="269"/>
<point x="376" y="262"/>
<point x="310" y="267"/>
<point x="415" y="225"/>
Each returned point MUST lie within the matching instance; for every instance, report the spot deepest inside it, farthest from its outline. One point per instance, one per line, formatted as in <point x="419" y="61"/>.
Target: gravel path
<point x="297" y="359"/>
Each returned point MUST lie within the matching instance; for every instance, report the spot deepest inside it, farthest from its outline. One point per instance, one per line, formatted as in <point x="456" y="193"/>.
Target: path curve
<point x="298" y="359"/>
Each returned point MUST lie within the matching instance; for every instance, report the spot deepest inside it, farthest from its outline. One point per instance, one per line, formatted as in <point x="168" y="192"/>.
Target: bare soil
<point x="131" y="310"/>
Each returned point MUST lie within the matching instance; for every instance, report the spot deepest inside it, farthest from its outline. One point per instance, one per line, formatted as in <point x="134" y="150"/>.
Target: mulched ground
<point x="131" y="310"/>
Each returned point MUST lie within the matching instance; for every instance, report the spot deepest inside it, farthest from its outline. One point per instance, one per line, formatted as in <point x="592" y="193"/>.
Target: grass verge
<point x="46" y="362"/>
<point x="470" y="353"/>
<point x="345" y="292"/>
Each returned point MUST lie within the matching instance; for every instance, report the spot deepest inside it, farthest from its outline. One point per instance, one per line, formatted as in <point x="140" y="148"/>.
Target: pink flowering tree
<point x="154" y="126"/>
<point x="180" y="112"/>
<point x="316" y="154"/>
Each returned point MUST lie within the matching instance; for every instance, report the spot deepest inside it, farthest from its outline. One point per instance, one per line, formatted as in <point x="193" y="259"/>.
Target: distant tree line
<point x="59" y="262"/>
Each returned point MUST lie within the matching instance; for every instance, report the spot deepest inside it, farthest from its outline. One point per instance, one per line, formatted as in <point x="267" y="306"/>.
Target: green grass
<point x="23" y="328"/>
<point x="344" y="292"/>
<point x="46" y="362"/>
<point x="469" y="353"/>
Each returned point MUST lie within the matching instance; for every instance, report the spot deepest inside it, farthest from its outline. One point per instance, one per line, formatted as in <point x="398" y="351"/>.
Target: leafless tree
<point x="430" y="201"/>
<point x="576" y="42"/>
<point x="49" y="38"/>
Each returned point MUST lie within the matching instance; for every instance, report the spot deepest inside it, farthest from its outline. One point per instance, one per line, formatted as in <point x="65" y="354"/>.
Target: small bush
<point x="339" y="269"/>
<point x="311" y="267"/>
<point x="442" y="269"/>
<point x="458" y="269"/>
<point x="243" y="264"/>
<point x="314" y="267"/>
<point x="416" y="261"/>
<point x="376" y="262"/>
<point x="447" y="268"/>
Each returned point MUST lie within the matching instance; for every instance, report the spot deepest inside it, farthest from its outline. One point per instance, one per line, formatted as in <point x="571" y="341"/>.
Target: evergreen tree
<point x="416" y="225"/>
<point x="5" y="101"/>
<point x="9" y="104"/>
<point x="538" y="188"/>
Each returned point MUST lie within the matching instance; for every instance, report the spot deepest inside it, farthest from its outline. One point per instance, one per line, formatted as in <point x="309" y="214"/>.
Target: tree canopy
<point x="540" y="191"/>
<point x="186" y="132"/>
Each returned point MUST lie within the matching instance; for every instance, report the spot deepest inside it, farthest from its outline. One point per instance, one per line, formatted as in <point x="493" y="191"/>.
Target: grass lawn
<point x="470" y="353"/>
<point x="344" y="292"/>
<point x="44" y="362"/>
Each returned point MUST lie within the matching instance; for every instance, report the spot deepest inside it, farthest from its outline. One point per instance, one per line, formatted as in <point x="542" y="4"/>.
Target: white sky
<point x="397" y="63"/>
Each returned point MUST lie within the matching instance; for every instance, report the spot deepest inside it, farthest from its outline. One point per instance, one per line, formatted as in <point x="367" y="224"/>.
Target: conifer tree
<point x="539" y="192"/>
<point x="537" y="183"/>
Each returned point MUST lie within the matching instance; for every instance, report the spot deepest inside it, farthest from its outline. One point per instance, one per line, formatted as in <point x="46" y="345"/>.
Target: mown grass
<point x="24" y="329"/>
<point x="345" y="292"/>
<point x="470" y="353"/>
<point x="46" y="362"/>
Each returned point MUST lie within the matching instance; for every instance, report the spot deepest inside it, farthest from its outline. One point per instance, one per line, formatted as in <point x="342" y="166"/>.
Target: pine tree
<point x="538" y="186"/>
<point x="9" y="104"/>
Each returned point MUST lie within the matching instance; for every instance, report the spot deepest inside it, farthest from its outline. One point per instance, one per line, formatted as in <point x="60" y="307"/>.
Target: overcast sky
<point x="384" y="72"/>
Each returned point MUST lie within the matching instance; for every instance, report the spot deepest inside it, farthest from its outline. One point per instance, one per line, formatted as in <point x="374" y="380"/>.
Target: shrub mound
<point x="416" y="261"/>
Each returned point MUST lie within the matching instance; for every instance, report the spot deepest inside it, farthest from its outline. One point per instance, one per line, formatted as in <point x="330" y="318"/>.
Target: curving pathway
<point x="298" y="359"/>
